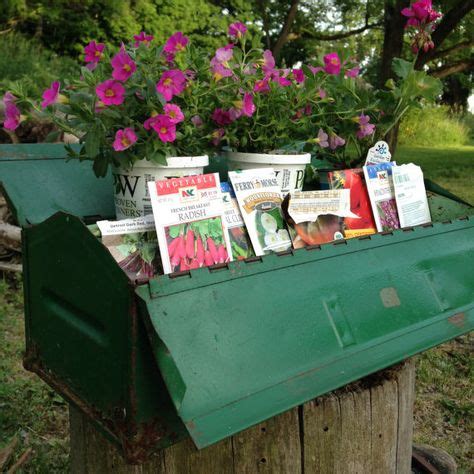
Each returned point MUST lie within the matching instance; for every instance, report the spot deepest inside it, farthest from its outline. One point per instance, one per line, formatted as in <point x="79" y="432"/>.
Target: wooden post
<point x="365" y="427"/>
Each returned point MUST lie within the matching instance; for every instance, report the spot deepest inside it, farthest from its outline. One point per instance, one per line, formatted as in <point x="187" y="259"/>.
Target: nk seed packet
<point x="189" y="218"/>
<point x="238" y="235"/>
<point x="133" y="244"/>
<point x="382" y="196"/>
<point x="259" y="197"/>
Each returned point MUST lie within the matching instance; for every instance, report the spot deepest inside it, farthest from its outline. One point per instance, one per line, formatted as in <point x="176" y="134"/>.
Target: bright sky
<point x="470" y="102"/>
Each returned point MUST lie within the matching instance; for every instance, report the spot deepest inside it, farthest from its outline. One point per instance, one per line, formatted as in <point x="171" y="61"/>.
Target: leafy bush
<point x="433" y="126"/>
<point x="25" y="60"/>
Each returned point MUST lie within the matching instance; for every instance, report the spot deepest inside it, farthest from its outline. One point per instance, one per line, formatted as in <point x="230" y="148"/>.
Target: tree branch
<point x="286" y="28"/>
<point x="452" y="49"/>
<point x="449" y="22"/>
<point x="448" y="69"/>
<point x="345" y="34"/>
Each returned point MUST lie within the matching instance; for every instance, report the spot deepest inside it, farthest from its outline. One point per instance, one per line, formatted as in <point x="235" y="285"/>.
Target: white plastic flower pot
<point x="131" y="189"/>
<point x="289" y="169"/>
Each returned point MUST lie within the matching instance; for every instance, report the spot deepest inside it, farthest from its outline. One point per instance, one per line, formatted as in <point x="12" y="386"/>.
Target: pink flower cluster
<point x="365" y="128"/>
<point x="165" y="124"/>
<point x="94" y="52"/>
<point x="175" y="44"/>
<point x="422" y="17"/>
<point x="12" y="112"/>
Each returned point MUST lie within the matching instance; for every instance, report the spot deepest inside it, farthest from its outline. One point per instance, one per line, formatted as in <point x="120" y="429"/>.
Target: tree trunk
<point x="394" y="28"/>
<point x="365" y="427"/>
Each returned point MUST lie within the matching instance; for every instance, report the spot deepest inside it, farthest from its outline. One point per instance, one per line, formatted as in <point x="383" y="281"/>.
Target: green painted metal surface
<point x="239" y="345"/>
<point x="38" y="182"/>
<point x="85" y="336"/>
<point x="214" y="351"/>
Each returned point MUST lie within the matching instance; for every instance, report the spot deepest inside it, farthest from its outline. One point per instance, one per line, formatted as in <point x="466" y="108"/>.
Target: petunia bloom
<point x="94" y="52"/>
<point x="315" y="69"/>
<point x="171" y="83"/>
<point x="268" y="67"/>
<point x="50" y="96"/>
<point x="221" y="116"/>
<point x="335" y="141"/>
<point x="124" y="139"/>
<point x="174" y="113"/>
<point x="220" y="62"/>
<point x="143" y="38"/>
<point x="12" y="112"/>
<point x="332" y="63"/>
<point x="217" y="136"/>
<point x="353" y="72"/>
<point x="237" y="30"/>
<point x="298" y="74"/>
<point x="197" y="121"/>
<point x="322" y="139"/>
<point x="219" y="71"/>
<point x="248" y="107"/>
<point x="165" y="128"/>
<point x="110" y="92"/>
<point x="262" y="86"/>
<point x="420" y="12"/>
<point x="365" y="128"/>
<point x="175" y="43"/>
<point x="123" y="66"/>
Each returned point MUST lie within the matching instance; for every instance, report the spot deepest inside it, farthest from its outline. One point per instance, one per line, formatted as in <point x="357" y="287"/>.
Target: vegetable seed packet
<point x="259" y="197"/>
<point x="189" y="217"/>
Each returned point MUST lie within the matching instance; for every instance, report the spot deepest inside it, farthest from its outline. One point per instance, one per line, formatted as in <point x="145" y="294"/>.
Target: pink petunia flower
<point x="165" y="128"/>
<point x="237" y="30"/>
<point x="12" y="112"/>
<point x="354" y="72"/>
<point x="217" y="136"/>
<point x="124" y="139"/>
<point x="322" y="93"/>
<point x="175" y="43"/>
<point x="148" y="123"/>
<point x="365" y="128"/>
<point x="123" y="66"/>
<point x="298" y="74"/>
<point x="421" y="11"/>
<point x="219" y="71"/>
<point x="316" y="69"/>
<point x="171" y="83"/>
<point x="94" y="52"/>
<point x="110" y="92"/>
<point x="335" y="141"/>
<point x="50" y="96"/>
<point x="197" y="121"/>
<point x="283" y="81"/>
<point x="174" y="113"/>
<point x="143" y="38"/>
<point x="221" y="116"/>
<point x="268" y="67"/>
<point x="332" y="63"/>
<point x="262" y="86"/>
<point x="248" y="107"/>
<point x="322" y="139"/>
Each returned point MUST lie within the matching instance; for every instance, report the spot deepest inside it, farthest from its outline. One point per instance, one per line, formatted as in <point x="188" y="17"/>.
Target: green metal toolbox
<point x="210" y="352"/>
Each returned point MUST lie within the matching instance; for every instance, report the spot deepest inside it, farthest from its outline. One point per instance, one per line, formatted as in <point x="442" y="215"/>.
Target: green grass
<point x="452" y="168"/>
<point x="445" y="391"/>
<point x="29" y="409"/>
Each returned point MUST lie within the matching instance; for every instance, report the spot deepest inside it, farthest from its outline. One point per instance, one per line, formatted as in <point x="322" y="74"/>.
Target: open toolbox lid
<point x="38" y="182"/>
<point x="243" y="343"/>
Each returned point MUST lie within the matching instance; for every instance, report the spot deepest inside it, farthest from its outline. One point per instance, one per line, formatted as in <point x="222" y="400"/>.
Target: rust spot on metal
<point x="389" y="297"/>
<point x="457" y="319"/>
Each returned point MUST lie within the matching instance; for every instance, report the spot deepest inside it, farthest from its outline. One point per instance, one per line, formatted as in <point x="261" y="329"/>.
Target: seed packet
<point x="189" y="215"/>
<point x="238" y="235"/>
<point x="133" y="244"/>
<point x="317" y="217"/>
<point x="353" y="179"/>
<point x="259" y="197"/>
<point x="410" y="195"/>
<point x="382" y="196"/>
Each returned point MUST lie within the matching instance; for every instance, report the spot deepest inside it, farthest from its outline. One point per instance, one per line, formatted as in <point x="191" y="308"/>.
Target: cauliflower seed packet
<point x="259" y="197"/>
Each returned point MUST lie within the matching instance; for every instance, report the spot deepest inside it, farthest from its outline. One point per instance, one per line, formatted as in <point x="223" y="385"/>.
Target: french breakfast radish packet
<point x="189" y="214"/>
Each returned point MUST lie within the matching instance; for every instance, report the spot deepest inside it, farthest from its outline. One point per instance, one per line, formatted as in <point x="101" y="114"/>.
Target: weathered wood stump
<point x="365" y="427"/>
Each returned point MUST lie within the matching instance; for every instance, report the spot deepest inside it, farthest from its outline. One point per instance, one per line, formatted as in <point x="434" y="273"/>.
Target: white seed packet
<point x="259" y="197"/>
<point x="379" y="153"/>
<point x="307" y="206"/>
<point x="410" y="195"/>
